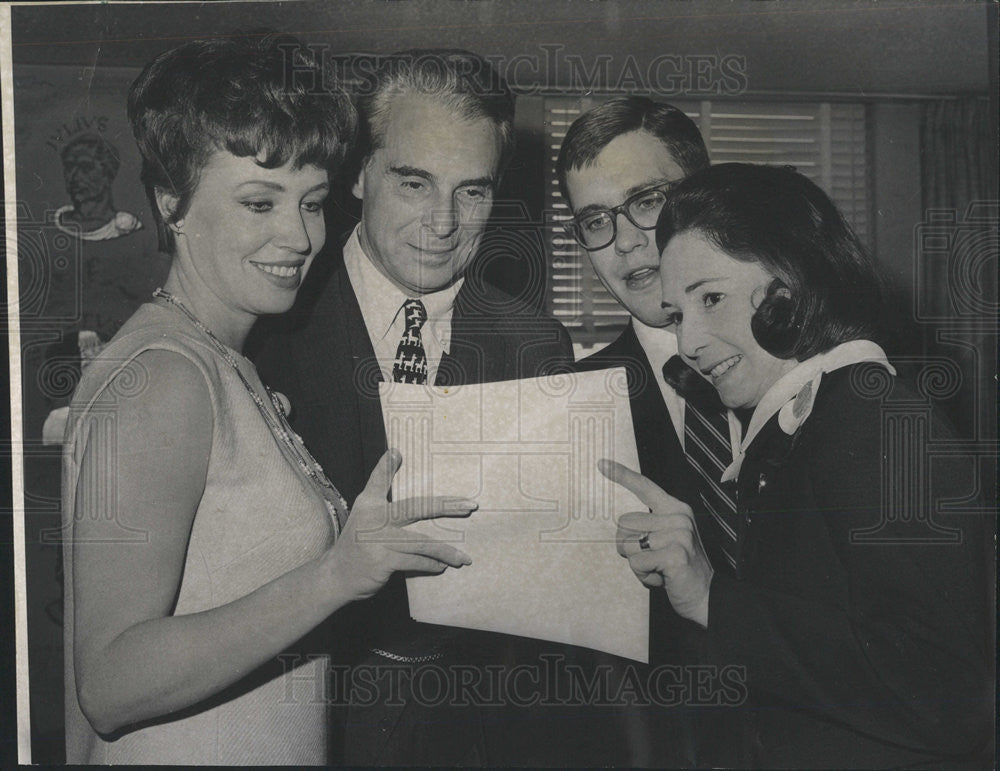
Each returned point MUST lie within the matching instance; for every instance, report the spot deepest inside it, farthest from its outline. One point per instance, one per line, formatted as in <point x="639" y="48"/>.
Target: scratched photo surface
<point x="889" y="107"/>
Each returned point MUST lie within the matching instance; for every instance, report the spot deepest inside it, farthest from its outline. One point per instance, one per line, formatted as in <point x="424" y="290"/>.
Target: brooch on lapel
<point x="794" y="414"/>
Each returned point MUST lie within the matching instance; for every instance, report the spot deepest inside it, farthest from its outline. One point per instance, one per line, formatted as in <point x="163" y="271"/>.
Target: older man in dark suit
<point x="398" y="304"/>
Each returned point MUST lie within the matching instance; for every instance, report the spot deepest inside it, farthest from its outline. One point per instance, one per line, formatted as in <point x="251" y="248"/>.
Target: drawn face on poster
<point x="90" y="164"/>
<point x="86" y="261"/>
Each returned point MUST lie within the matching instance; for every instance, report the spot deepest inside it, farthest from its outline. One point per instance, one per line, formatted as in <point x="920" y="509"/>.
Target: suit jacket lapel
<point x="364" y="376"/>
<point x="340" y="387"/>
<point x="661" y="455"/>
<point x="466" y="362"/>
<point x="662" y="460"/>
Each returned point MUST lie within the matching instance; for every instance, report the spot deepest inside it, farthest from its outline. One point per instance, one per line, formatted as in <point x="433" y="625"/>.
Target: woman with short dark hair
<point x="855" y="606"/>
<point x="826" y="290"/>
<point x="203" y="541"/>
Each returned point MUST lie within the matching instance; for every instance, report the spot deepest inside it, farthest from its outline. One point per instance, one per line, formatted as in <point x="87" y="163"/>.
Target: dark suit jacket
<point x="670" y="735"/>
<point x="661" y="457"/>
<point x="662" y="460"/>
<point x="320" y="356"/>
<point x="858" y="653"/>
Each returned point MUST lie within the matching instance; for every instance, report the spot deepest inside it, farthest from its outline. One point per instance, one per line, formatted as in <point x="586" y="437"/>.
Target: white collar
<point x="659" y="343"/>
<point x="381" y="300"/>
<point x="121" y="224"/>
<point x="792" y="395"/>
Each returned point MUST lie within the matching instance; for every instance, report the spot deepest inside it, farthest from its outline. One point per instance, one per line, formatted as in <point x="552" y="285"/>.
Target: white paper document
<point x="543" y="540"/>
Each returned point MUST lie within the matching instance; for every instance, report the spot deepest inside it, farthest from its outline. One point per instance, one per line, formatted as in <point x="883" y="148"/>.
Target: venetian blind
<point x="824" y="141"/>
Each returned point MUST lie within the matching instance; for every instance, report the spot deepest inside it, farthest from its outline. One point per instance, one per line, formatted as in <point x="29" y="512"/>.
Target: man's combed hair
<point x="595" y="130"/>
<point x="263" y="96"/>
<point x="463" y="81"/>
<point x="826" y="289"/>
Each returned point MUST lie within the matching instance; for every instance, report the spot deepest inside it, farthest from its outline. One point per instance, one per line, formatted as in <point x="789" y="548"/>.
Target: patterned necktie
<point x="709" y="451"/>
<point x="410" y="365"/>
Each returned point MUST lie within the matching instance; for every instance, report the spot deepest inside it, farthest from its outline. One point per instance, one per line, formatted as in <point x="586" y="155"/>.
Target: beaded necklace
<point x="278" y="426"/>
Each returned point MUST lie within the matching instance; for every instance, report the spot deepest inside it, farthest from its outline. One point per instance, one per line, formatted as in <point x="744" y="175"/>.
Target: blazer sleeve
<point x="562" y="347"/>
<point x="271" y="355"/>
<point x="543" y="346"/>
<point x="897" y="649"/>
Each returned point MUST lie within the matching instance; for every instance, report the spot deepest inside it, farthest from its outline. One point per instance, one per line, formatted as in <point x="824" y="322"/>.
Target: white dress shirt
<point x="381" y="302"/>
<point x="659" y="344"/>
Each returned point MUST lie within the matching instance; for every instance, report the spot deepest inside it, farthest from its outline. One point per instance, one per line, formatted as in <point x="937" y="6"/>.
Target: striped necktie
<point x="410" y="365"/>
<point x="709" y="451"/>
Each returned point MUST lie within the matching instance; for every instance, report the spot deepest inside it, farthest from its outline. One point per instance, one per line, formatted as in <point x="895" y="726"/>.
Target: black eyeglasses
<point x="598" y="227"/>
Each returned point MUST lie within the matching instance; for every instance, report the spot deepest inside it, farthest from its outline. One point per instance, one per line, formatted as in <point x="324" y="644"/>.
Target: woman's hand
<point x="662" y="545"/>
<point x="375" y="544"/>
<point x="147" y="480"/>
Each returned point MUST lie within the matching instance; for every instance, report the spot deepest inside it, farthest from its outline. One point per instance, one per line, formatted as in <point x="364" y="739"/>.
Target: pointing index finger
<point x="645" y="490"/>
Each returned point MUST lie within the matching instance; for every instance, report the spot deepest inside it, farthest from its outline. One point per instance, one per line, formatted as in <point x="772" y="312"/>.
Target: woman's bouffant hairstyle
<point x="258" y="95"/>
<point x="826" y="290"/>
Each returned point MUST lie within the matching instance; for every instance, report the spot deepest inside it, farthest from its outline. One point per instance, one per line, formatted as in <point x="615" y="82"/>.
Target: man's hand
<point x="662" y="545"/>
<point x="375" y="544"/>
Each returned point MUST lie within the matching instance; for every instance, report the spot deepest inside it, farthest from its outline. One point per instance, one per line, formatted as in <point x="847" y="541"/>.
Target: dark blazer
<point x="320" y="356"/>
<point x="662" y="460"/>
<point x="661" y="457"/>
<point x="669" y="735"/>
<point x="858" y="653"/>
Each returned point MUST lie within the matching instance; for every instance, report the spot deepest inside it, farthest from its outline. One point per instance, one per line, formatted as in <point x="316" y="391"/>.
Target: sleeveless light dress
<point x="260" y="516"/>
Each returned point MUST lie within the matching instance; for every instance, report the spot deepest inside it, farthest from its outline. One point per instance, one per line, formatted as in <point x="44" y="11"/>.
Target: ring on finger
<point x="644" y="542"/>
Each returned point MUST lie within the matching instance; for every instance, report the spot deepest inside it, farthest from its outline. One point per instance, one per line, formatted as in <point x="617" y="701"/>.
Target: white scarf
<point x="792" y="395"/>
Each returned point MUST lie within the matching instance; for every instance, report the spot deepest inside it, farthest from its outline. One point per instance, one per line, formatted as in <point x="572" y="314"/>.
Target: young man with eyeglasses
<point x="615" y="167"/>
